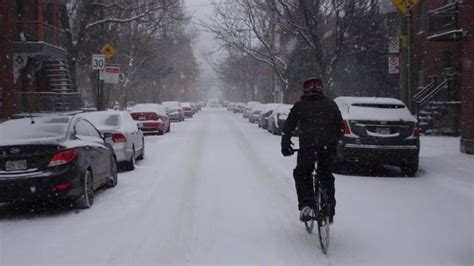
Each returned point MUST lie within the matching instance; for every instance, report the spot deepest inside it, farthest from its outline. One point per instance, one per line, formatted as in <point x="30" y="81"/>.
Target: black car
<point x="54" y="158"/>
<point x="379" y="131"/>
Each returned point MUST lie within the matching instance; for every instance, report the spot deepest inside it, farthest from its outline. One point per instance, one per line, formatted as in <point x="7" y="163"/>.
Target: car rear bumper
<point x="41" y="186"/>
<point x="152" y="128"/>
<point x="175" y="116"/>
<point x="385" y="154"/>
<point x="121" y="152"/>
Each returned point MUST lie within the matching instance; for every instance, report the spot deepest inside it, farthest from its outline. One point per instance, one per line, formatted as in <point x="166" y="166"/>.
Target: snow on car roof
<point x="104" y="119"/>
<point x="149" y="107"/>
<point x="283" y="108"/>
<point x="373" y="109"/>
<point x="378" y="100"/>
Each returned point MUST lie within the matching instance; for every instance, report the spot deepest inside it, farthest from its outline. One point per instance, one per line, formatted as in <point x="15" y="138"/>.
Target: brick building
<point x="442" y="74"/>
<point x="36" y="73"/>
<point x="467" y="85"/>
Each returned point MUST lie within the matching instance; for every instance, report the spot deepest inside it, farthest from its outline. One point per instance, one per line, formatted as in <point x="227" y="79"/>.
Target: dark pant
<point x="303" y="178"/>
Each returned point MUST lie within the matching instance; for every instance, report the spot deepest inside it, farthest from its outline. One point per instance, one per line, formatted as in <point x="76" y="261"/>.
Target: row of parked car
<point x="376" y="130"/>
<point x="67" y="157"/>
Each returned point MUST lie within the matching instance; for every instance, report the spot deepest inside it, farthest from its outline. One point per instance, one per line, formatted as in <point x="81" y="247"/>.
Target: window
<point x="81" y="129"/>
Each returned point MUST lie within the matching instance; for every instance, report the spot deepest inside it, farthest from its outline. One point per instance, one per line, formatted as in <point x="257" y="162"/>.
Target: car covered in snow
<point x="248" y="108"/>
<point x="239" y="108"/>
<point x="265" y="114"/>
<point x="152" y="117"/>
<point x="54" y="158"/>
<point x="187" y="109"/>
<point x="379" y="131"/>
<point x="254" y="113"/>
<point x="277" y="119"/>
<point x="126" y="138"/>
<point x="174" y="110"/>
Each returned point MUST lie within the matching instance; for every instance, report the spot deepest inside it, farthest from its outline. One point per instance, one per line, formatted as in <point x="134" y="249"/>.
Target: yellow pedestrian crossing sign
<point x="405" y="6"/>
<point x="108" y="51"/>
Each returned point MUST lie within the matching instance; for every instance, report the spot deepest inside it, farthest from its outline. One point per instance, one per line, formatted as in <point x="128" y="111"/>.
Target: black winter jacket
<point x="318" y="120"/>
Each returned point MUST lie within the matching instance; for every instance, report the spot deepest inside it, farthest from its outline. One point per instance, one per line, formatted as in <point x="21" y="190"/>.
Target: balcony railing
<point x="444" y="23"/>
<point x="47" y="101"/>
<point x="36" y="31"/>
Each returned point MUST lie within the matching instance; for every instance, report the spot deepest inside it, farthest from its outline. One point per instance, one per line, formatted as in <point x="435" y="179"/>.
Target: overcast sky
<point x="202" y="10"/>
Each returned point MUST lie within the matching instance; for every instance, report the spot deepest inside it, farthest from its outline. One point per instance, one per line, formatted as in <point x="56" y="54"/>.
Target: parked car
<point x="230" y="106"/>
<point x="187" y="109"/>
<point x="54" y="158"/>
<point x="196" y="107"/>
<point x="379" y="131"/>
<point x="277" y="119"/>
<point x="247" y="108"/>
<point x="174" y="110"/>
<point x="152" y="117"/>
<point x="265" y="115"/>
<point x="127" y="139"/>
<point x="254" y="113"/>
<point x="239" y="108"/>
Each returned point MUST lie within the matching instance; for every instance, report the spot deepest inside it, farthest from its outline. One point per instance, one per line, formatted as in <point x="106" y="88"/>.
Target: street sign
<point x="405" y="6"/>
<point x="108" y="50"/>
<point x="98" y="61"/>
<point x="110" y="74"/>
<point x="393" y="64"/>
<point x="393" y="45"/>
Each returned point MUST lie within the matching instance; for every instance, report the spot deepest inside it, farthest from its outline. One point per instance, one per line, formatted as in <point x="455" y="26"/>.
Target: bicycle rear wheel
<point x="323" y="219"/>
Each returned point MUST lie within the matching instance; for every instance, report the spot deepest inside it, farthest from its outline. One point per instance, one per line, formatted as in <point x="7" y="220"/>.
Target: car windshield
<point x="24" y="129"/>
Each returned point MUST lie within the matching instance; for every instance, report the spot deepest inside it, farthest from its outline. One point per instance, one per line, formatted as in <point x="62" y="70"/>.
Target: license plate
<point x="382" y="130"/>
<point x="15" y="165"/>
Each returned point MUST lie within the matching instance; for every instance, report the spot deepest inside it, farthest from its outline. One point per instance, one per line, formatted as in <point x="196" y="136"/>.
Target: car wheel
<point x="86" y="199"/>
<point x="409" y="168"/>
<point x="169" y="128"/>
<point x="130" y="165"/>
<point x="113" y="179"/>
<point x="142" y="154"/>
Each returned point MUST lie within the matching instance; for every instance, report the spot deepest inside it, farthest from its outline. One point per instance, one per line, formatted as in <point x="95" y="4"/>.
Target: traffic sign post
<point x="98" y="64"/>
<point x="405" y="7"/>
<point x="98" y="61"/>
<point x="110" y="74"/>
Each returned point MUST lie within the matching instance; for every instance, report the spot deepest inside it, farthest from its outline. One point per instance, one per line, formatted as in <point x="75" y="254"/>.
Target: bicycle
<point x="319" y="213"/>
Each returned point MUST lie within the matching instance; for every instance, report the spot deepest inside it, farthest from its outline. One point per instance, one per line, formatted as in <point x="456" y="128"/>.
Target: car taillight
<point x="63" y="157"/>
<point x="347" y="129"/>
<point x="416" y="131"/>
<point x="117" y="137"/>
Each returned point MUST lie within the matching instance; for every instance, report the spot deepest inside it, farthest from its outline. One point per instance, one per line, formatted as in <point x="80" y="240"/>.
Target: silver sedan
<point x="119" y="128"/>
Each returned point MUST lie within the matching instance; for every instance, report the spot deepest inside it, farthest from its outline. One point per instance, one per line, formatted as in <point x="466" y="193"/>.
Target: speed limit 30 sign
<point x="98" y="61"/>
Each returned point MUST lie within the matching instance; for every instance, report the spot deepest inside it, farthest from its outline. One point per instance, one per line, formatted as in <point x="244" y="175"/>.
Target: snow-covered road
<point x="217" y="191"/>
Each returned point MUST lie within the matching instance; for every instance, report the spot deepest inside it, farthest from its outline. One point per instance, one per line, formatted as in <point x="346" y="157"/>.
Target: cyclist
<point x="320" y="127"/>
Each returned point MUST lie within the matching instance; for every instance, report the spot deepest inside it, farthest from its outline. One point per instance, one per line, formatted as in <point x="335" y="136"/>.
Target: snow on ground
<point x="217" y="191"/>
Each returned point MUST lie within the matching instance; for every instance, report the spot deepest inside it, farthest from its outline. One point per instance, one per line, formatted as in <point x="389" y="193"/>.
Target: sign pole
<point x="409" y="59"/>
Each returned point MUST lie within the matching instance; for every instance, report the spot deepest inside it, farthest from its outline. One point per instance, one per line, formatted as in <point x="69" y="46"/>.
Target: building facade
<point x="37" y="74"/>
<point x="467" y="77"/>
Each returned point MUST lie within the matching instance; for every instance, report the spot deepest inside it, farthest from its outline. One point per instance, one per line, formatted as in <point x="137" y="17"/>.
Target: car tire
<point x="130" y="165"/>
<point x="169" y="129"/>
<point x="113" y="180"/>
<point x="142" y="153"/>
<point x="409" y="168"/>
<point x="86" y="200"/>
